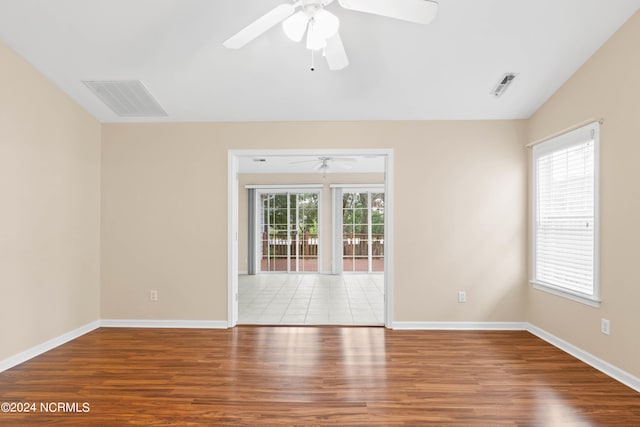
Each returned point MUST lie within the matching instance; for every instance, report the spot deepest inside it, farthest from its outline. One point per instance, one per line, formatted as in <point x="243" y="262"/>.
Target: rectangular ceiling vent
<point x="127" y="98"/>
<point x="505" y="81"/>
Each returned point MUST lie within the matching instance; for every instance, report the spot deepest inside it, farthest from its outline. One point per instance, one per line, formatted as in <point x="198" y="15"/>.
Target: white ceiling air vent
<point x="127" y="98"/>
<point x="505" y="81"/>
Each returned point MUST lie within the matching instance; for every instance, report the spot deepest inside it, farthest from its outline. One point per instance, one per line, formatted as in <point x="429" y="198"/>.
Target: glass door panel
<point x="289" y="224"/>
<point x="363" y="232"/>
<point x="307" y="220"/>
<point x="377" y="232"/>
<point x="275" y="233"/>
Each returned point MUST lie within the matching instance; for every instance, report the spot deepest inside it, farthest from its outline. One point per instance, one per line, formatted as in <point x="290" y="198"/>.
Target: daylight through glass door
<point x="289" y="229"/>
<point x="363" y="231"/>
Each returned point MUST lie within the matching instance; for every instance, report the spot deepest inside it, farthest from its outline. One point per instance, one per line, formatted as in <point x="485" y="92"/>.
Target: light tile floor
<point x="311" y="299"/>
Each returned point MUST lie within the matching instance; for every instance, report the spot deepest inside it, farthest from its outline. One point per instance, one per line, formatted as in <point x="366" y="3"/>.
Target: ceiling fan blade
<point x="335" y="54"/>
<point x="418" y="11"/>
<point x="259" y="26"/>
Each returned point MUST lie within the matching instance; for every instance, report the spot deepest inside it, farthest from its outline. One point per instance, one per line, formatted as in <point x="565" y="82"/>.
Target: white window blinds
<point x="565" y="209"/>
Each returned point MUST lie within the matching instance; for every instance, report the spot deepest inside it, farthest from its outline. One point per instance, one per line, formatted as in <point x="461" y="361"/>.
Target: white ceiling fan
<point x="323" y="163"/>
<point x="321" y="26"/>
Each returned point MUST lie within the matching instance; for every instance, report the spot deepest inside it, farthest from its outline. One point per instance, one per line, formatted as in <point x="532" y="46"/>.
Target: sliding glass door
<point x="362" y="231"/>
<point x="289" y="229"/>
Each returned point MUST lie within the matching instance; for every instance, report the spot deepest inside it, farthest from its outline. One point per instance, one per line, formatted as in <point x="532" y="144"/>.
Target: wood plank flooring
<point x="282" y="376"/>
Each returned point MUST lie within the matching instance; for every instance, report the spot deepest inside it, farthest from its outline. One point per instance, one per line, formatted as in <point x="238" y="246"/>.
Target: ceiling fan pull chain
<point x="313" y="67"/>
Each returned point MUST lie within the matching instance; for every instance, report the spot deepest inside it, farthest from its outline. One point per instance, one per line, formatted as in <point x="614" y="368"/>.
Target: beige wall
<point x="325" y="203"/>
<point x="608" y="87"/>
<point x="460" y="196"/>
<point x="50" y="208"/>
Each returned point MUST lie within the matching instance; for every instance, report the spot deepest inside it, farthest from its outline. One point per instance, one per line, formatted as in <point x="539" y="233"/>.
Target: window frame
<point x="574" y="137"/>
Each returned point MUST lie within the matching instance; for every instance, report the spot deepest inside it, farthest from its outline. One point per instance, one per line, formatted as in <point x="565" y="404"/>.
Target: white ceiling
<point x="398" y="70"/>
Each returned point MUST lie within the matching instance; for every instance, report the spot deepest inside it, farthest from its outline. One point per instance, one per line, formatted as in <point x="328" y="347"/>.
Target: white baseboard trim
<point x="461" y="326"/>
<point x="599" y="364"/>
<point x="141" y="323"/>
<point x="37" y="350"/>
<point x="604" y="367"/>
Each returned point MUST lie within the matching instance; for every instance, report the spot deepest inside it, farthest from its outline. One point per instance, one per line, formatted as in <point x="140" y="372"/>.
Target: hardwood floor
<point x="280" y="376"/>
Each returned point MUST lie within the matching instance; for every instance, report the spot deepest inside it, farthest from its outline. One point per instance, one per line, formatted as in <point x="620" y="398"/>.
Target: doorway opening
<point x="284" y="238"/>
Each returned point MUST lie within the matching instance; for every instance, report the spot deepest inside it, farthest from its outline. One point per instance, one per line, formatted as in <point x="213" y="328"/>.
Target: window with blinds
<point x="565" y="203"/>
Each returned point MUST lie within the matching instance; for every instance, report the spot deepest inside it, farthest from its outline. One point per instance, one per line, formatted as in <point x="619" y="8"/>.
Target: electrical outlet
<point x="605" y="326"/>
<point x="153" y="295"/>
<point x="462" y="296"/>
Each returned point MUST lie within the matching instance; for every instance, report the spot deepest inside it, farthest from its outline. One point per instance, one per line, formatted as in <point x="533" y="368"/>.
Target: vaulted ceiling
<point x="398" y="70"/>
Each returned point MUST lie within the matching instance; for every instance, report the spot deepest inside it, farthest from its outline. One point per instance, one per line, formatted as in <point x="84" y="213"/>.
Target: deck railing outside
<point x="353" y="245"/>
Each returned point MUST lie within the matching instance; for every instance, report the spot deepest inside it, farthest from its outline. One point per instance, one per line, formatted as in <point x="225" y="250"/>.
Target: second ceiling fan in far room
<point x="321" y="26"/>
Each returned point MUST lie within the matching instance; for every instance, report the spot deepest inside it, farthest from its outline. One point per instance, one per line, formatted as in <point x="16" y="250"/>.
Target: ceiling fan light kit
<point x="315" y="41"/>
<point x="321" y="26"/>
<point x="312" y="19"/>
<point x="295" y="26"/>
<point x="325" y="23"/>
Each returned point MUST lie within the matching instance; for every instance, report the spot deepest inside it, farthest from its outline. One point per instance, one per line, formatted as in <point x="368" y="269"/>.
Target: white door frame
<point x="232" y="218"/>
